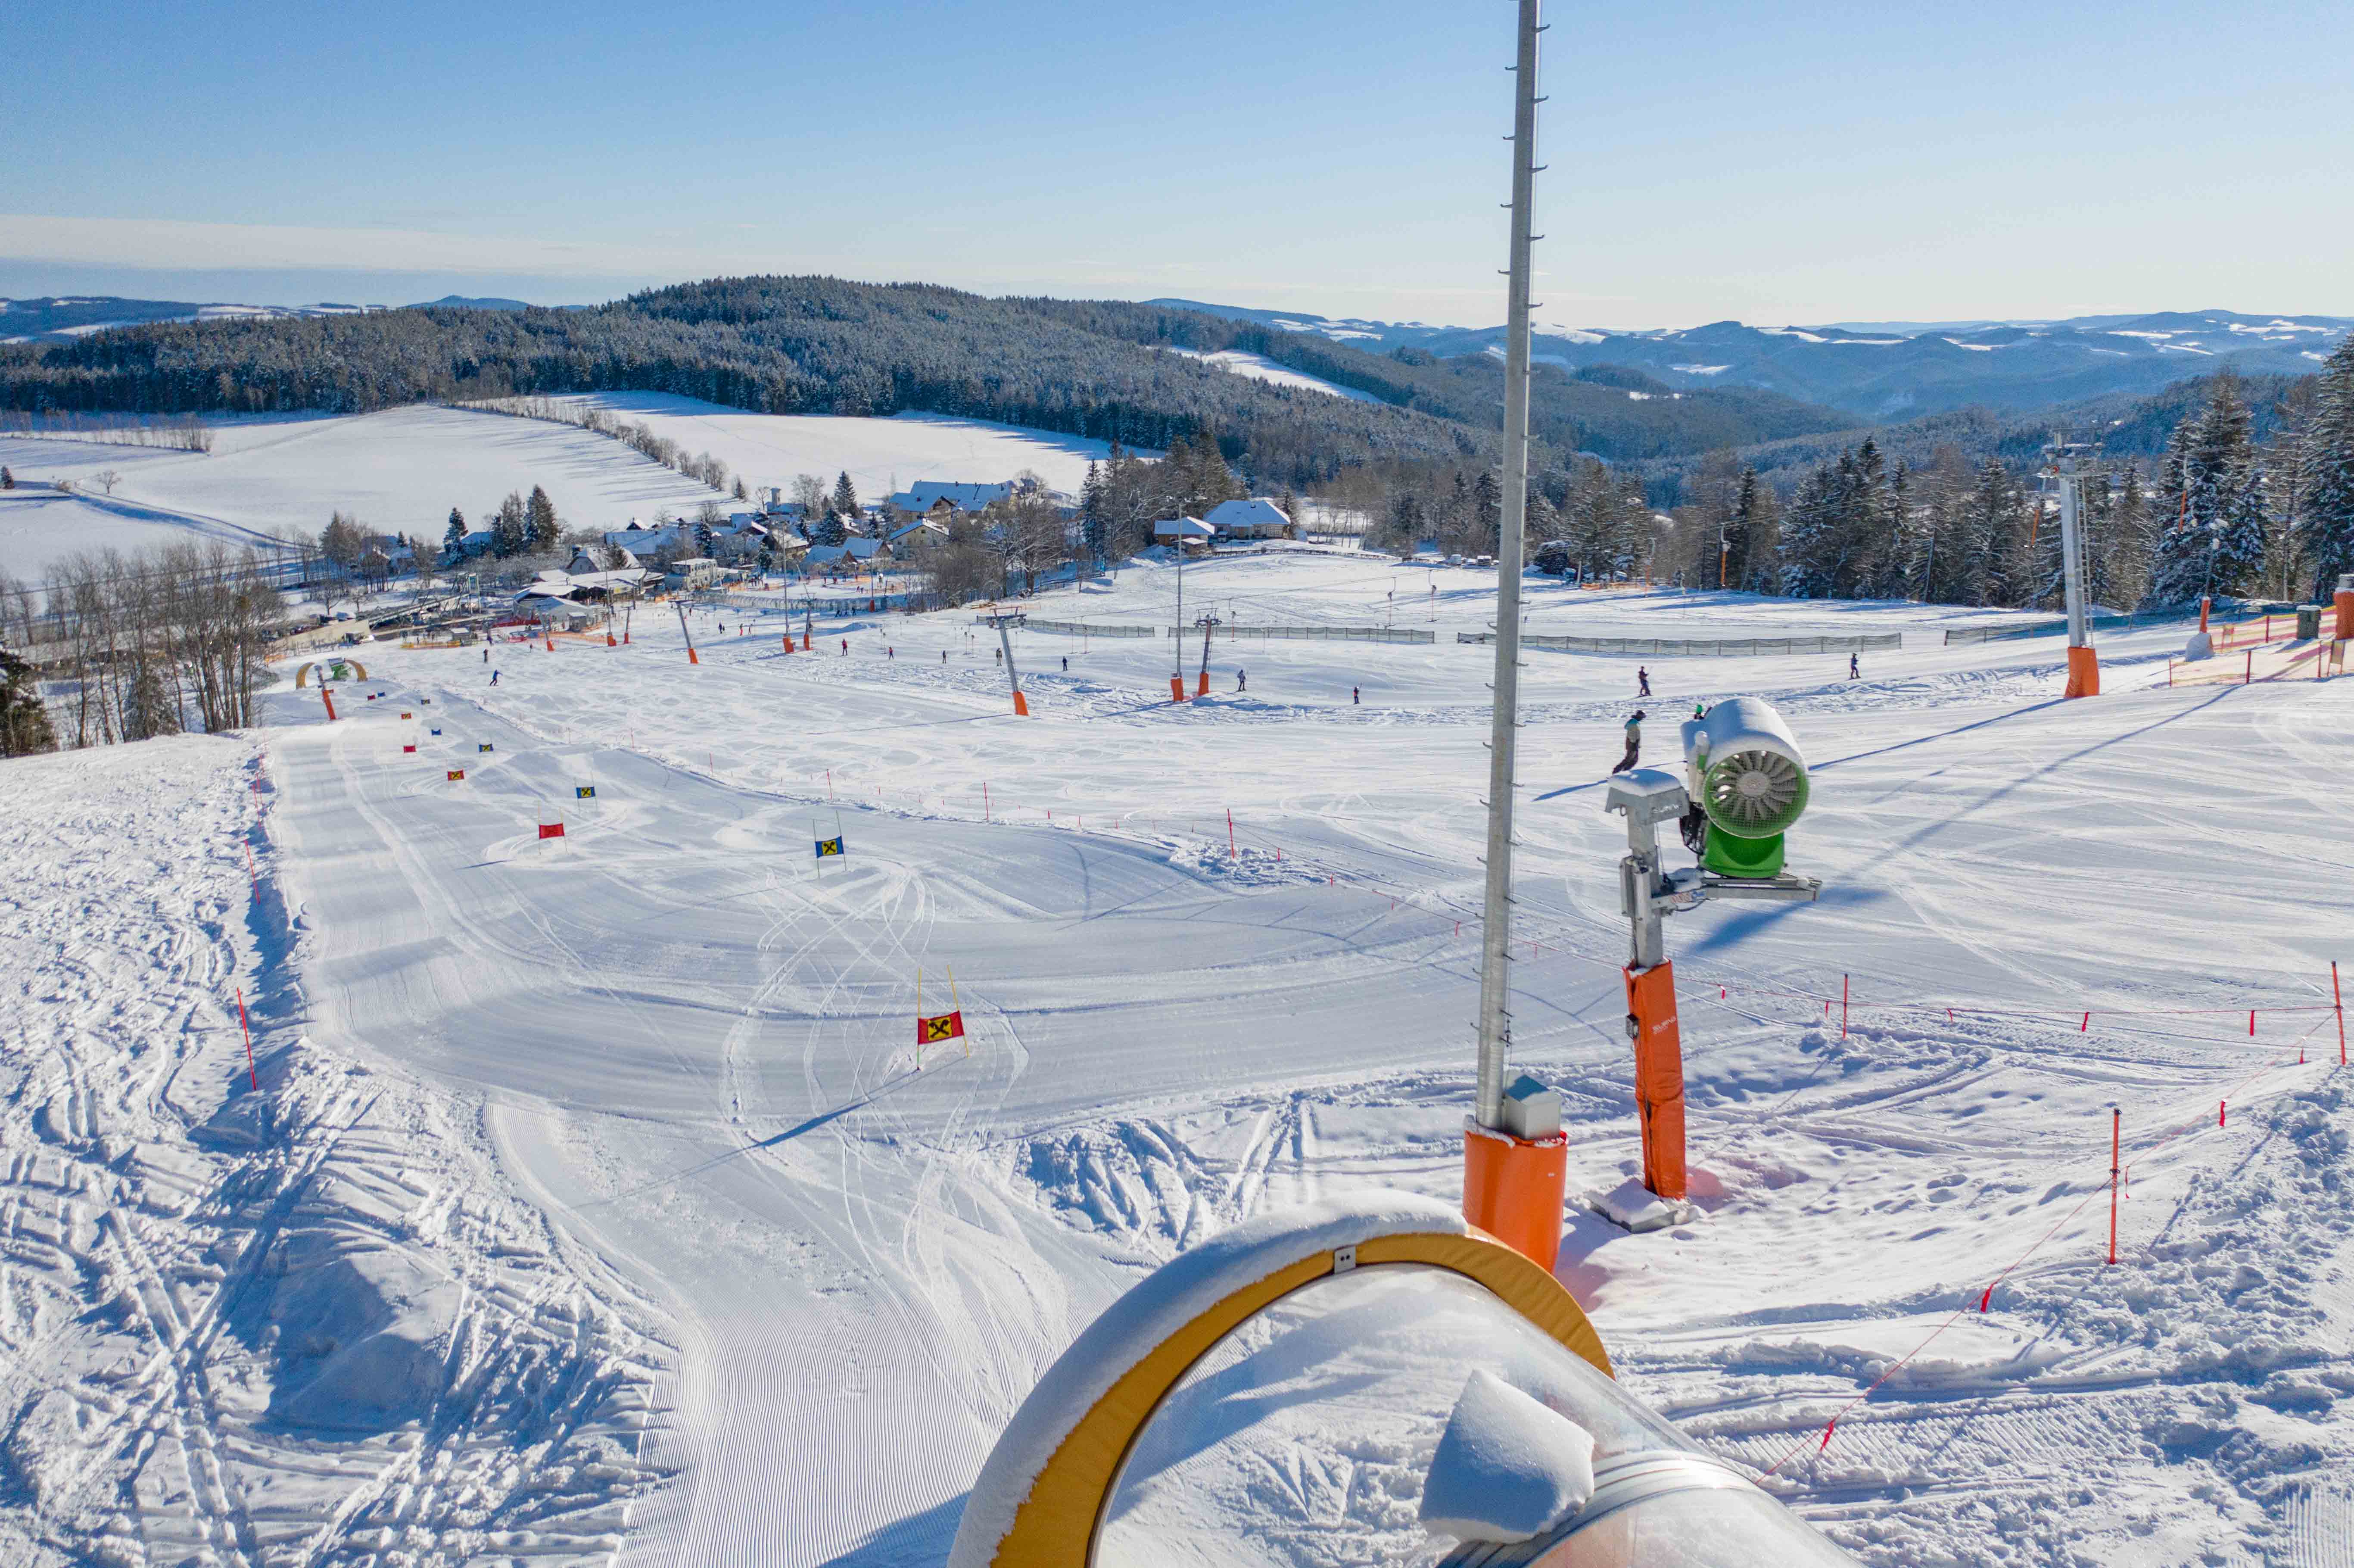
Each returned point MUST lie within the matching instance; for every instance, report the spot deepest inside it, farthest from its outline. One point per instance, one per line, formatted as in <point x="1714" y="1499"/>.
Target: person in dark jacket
<point x="1634" y="742"/>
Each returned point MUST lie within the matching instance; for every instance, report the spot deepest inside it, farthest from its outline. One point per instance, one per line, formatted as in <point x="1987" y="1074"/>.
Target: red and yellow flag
<point x="945" y="1026"/>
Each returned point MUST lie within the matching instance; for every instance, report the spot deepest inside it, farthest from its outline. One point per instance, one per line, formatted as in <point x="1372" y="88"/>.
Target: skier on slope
<point x="1241" y="683"/>
<point x="1634" y="742"/>
<point x="1854" y="670"/>
<point x="494" y="677"/>
<point x="1356" y="696"/>
<point x="1642" y="682"/>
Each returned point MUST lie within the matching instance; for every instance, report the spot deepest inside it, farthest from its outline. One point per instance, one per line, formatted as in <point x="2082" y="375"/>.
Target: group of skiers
<point x="1700" y="710"/>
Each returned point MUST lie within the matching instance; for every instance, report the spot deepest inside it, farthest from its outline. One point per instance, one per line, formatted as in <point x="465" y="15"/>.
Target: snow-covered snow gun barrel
<point x="1747" y="781"/>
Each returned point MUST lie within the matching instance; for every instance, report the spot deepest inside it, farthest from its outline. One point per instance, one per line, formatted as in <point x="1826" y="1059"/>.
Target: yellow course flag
<point x="828" y="846"/>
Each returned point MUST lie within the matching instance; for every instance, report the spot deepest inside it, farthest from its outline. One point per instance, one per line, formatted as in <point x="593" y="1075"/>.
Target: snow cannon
<point x="1379" y="1322"/>
<point x="1748" y="787"/>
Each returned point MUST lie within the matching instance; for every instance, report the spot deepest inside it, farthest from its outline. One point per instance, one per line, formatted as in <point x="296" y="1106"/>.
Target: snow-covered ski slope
<point x="693" y="1044"/>
<point x="402" y="469"/>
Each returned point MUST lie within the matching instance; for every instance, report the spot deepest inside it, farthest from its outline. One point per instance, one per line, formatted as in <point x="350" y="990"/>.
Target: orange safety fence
<point x="2249" y="662"/>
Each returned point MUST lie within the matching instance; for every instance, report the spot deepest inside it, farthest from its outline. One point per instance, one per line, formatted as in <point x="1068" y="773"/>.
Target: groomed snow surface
<point x="618" y="1150"/>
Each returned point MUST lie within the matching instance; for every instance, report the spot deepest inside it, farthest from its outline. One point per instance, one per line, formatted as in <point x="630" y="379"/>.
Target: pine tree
<point x="1093" y="511"/>
<point x="845" y="498"/>
<point x="2326" y="512"/>
<point x="1808" y="535"/>
<point x="1487" y="506"/>
<point x="540" y="526"/>
<point x="2242" y="528"/>
<point x="706" y="541"/>
<point x="453" y="537"/>
<point x="510" y="526"/>
<point x="24" y="719"/>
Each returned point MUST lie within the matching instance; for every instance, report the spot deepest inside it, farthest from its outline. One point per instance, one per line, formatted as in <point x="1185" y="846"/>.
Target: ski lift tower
<point x="1207" y="623"/>
<point x="2067" y="464"/>
<point x="1005" y="621"/>
<point x="1515" y="1158"/>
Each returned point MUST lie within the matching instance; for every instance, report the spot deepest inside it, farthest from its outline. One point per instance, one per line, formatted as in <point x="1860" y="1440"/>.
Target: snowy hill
<point x="1898" y="370"/>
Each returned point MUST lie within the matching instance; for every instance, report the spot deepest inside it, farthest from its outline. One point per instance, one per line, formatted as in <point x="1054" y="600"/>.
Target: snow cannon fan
<point x="1748" y="787"/>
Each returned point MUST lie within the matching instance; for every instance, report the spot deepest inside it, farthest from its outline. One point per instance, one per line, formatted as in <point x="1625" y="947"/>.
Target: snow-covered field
<point x="1258" y="367"/>
<point x="401" y="471"/>
<point x="656" y="1081"/>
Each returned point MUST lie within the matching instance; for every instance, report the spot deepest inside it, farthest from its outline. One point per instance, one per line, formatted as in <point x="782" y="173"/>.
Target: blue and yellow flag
<point x="584" y="791"/>
<point x="828" y="846"/>
<point x="484" y="746"/>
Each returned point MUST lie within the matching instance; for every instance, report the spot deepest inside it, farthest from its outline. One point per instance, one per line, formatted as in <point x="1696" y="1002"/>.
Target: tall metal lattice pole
<point x="1496" y="929"/>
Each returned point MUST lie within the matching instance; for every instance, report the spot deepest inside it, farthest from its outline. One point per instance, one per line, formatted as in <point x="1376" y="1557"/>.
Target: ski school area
<point x="858" y="1041"/>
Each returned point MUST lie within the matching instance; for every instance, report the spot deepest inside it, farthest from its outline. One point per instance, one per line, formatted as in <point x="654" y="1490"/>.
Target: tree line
<point x="143" y="644"/>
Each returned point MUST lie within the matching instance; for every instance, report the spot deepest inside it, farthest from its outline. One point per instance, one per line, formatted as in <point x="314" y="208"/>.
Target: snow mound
<point x="1507" y="1467"/>
<point x="362" y="1332"/>
<point x="1157" y="1307"/>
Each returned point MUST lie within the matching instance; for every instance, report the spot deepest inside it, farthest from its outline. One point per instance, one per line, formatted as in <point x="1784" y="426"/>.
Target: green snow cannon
<point x="1748" y="785"/>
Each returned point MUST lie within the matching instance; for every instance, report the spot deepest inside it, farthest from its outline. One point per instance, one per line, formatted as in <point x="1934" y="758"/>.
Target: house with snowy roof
<point x="926" y="496"/>
<point x="1257" y="518"/>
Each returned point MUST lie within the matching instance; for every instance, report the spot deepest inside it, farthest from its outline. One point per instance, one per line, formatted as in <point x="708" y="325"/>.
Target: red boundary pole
<point x="2338" y="1000"/>
<point x="1842" y="1007"/>
<point x="247" y="1027"/>
<point x="2116" y="1143"/>
<point x="1232" y="854"/>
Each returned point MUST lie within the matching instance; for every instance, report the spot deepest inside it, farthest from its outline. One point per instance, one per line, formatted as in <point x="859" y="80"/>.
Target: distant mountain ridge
<point x="1893" y="370"/>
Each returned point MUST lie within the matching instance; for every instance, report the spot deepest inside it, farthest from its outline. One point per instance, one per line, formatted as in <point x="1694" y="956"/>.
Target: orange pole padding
<point x="1021" y="705"/>
<point x="693" y="658"/>
<point x="2083" y="673"/>
<point x="328" y="697"/>
<point x="1176" y="688"/>
<point x="1658" y="1076"/>
<point x="1202" y="690"/>
<point x="789" y="642"/>
<point x="805" y="642"/>
<point x="1512" y="1190"/>
<point x="2344" y="604"/>
<point x="2203" y="604"/>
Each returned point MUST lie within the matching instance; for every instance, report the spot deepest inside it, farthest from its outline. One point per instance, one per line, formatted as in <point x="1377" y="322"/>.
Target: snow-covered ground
<point x="687" y="1046"/>
<point x="1258" y="367"/>
<point x="401" y="471"/>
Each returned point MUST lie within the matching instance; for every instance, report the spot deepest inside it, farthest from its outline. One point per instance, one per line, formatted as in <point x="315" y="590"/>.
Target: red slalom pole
<point x="2116" y="1143"/>
<point x="2222" y="1107"/>
<point x="984" y="799"/>
<point x="1842" y="1007"/>
<point x="2338" y="1000"/>
<point x="247" y="1027"/>
<point x="1232" y="854"/>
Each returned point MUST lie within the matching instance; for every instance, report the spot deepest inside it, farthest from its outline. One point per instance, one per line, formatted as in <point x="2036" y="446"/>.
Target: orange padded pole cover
<point x="1176" y="688"/>
<point x="1021" y="705"/>
<point x="1658" y="1076"/>
<point x="1513" y="1188"/>
<point x="2083" y="673"/>
<point x="2345" y="605"/>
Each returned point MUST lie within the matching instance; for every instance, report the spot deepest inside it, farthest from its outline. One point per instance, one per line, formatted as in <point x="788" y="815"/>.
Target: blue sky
<point x="1794" y="164"/>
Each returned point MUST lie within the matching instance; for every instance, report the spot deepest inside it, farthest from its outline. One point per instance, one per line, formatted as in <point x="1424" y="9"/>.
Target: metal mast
<point x="1496" y="925"/>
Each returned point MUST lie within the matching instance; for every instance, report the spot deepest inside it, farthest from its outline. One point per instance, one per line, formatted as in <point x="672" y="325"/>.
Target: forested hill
<point x="823" y="346"/>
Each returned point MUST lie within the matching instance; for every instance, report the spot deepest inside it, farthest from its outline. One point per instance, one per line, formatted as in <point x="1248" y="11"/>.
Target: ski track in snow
<point x="677" y="1054"/>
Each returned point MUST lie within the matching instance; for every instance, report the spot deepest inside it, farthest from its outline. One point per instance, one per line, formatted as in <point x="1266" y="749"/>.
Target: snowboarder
<point x="890" y="652"/>
<point x="1642" y="682"/>
<point x="1700" y="710"/>
<point x="1854" y="670"/>
<point x="494" y="677"/>
<point x="1355" y="696"/>
<point x="944" y="655"/>
<point x="845" y="647"/>
<point x="1066" y="663"/>
<point x="1634" y="742"/>
<point x="1241" y="685"/>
